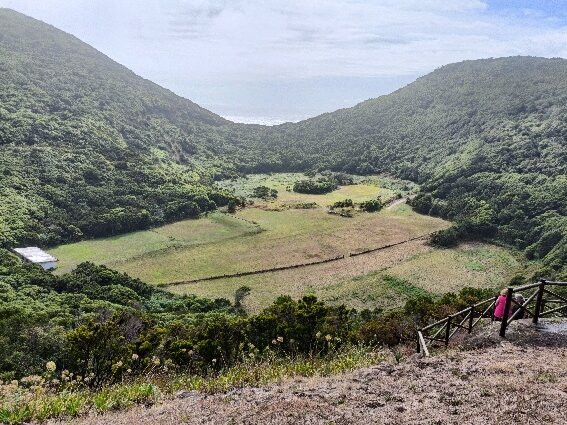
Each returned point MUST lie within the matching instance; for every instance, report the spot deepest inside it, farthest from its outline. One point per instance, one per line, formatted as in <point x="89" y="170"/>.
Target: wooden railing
<point x="443" y="330"/>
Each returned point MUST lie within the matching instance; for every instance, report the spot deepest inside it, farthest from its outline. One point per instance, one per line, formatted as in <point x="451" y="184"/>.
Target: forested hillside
<point x="486" y="139"/>
<point x="87" y="148"/>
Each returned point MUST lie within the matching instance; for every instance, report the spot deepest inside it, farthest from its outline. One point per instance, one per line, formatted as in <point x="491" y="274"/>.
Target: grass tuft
<point x="20" y="405"/>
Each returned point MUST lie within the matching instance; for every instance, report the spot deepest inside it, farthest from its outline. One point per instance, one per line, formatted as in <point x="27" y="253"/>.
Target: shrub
<point x="390" y="329"/>
<point x="347" y="203"/>
<point x="445" y="238"/>
<point x="317" y="187"/>
<point x="264" y="192"/>
<point x="103" y="350"/>
<point x="372" y="205"/>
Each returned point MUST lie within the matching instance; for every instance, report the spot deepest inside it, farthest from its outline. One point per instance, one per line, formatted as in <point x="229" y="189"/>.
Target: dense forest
<point x="87" y="148"/>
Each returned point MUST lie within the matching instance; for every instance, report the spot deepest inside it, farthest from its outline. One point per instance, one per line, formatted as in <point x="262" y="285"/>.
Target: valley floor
<point x="520" y="380"/>
<point x="276" y="233"/>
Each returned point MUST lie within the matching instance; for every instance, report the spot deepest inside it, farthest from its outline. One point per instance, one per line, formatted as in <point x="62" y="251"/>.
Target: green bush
<point x="316" y="187"/>
<point x="372" y="205"/>
<point x="264" y="192"/>
<point x="347" y="203"/>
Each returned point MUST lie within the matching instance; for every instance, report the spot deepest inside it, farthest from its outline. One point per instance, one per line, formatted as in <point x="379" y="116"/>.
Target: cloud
<point x="187" y="44"/>
<point x="251" y="39"/>
<point x="301" y="39"/>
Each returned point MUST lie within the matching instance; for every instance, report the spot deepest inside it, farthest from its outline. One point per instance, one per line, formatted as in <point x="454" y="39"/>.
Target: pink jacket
<point x="499" y="308"/>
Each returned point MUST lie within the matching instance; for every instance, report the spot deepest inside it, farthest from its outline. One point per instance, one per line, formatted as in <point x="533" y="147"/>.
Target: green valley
<point x="276" y="232"/>
<point x="196" y="251"/>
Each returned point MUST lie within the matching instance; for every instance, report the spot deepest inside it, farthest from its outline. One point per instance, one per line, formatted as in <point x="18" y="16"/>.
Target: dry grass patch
<point x="383" y="279"/>
<point x="330" y="282"/>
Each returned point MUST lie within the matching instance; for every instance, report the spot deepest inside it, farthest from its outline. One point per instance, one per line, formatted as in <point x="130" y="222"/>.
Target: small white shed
<point x="35" y="255"/>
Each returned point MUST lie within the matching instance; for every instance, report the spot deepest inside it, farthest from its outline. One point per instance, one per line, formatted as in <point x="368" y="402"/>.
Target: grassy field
<point x="367" y="188"/>
<point x="443" y="270"/>
<point x="261" y="237"/>
<point x="118" y="250"/>
<point x="383" y="279"/>
<point x="288" y="237"/>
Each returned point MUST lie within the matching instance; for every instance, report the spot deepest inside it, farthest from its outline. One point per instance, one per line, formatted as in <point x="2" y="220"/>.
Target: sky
<point x="268" y="61"/>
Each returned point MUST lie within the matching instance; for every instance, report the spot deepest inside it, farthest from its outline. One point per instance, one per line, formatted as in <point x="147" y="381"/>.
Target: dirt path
<point x="502" y="382"/>
<point x="396" y="202"/>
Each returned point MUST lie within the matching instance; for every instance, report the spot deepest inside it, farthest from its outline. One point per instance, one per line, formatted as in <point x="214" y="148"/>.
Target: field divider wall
<point x="292" y="266"/>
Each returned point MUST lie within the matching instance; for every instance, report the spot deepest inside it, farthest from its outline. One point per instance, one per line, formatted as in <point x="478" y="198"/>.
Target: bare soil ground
<point x="519" y="380"/>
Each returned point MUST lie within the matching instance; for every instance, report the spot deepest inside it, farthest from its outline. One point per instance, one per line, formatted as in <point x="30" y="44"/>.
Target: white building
<point x="37" y="256"/>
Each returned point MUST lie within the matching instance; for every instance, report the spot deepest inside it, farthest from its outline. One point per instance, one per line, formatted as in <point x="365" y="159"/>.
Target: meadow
<point x="384" y="279"/>
<point x="270" y="234"/>
<point x="365" y="189"/>
<point x="117" y="250"/>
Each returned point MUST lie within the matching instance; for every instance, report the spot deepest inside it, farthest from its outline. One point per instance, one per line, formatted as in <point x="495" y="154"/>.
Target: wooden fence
<point x="542" y="302"/>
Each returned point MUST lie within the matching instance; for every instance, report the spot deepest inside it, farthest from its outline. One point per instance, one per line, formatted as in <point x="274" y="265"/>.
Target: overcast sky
<point x="269" y="61"/>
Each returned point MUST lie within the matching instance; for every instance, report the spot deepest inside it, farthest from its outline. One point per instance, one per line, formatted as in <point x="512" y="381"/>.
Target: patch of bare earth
<point x="519" y="380"/>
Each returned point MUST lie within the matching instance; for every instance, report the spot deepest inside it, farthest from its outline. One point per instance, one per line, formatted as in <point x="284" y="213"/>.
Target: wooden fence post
<point x="539" y="300"/>
<point x="418" y="341"/>
<point x="507" y="306"/>
<point x="421" y="341"/>
<point x="448" y="331"/>
<point x="471" y="319"/>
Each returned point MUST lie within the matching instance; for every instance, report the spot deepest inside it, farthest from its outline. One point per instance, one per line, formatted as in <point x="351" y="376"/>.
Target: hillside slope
<point x="487" y="139"/>
<point x="506" y="381"/>
<point x="416" y="128"/>
<point x="86" y="146"/>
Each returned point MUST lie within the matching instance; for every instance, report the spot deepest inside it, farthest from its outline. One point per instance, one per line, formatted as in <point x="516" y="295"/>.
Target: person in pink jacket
<point x="500" y="305"/>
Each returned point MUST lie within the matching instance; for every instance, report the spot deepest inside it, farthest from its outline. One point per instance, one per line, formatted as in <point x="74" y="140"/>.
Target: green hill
<point x="485" y="138"/>
<point x="416" y="128"/>
<point x="86" y="146"/>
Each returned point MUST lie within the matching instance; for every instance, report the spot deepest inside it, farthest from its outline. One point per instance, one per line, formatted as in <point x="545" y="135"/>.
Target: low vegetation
<point x="66" y="340"/>
<point x="42" y="397"/>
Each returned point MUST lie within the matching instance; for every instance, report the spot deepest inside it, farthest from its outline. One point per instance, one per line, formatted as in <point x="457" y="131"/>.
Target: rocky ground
<point x="519" y="380"/>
